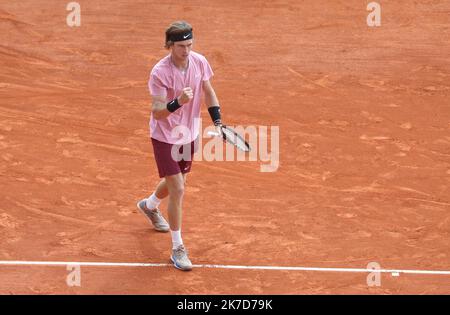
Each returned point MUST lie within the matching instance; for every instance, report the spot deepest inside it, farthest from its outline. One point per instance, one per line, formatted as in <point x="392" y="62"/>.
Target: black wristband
<point x="173" y="105"/>
<point x="214" y="112"/>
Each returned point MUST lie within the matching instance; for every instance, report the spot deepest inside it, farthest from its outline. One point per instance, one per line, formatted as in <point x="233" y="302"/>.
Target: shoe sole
<point x="145" y="215"/>
<point x="178" y="267"/>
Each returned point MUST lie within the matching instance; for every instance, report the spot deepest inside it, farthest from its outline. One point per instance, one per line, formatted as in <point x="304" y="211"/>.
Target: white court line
<point x="110" y="264"/>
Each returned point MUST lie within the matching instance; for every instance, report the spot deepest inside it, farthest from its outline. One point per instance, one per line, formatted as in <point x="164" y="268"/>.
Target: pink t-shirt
<point x="167" y="80"/>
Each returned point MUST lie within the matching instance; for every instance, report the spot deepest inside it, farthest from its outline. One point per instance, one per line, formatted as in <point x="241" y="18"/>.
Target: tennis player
<point x="177" y="83"/>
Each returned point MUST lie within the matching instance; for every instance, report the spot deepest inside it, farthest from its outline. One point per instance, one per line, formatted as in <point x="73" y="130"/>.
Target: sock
<point x="176" y="239"/>
<point x="152" y="202"/>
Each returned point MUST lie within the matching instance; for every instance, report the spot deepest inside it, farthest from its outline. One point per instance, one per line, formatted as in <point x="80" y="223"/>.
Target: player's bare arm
<point x="210" y="94"/>
<point x="212" y="103"/>
<point x="161" y="109"/>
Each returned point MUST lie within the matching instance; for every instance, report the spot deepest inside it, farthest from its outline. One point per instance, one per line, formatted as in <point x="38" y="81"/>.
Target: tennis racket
<point x="232" y="137"/>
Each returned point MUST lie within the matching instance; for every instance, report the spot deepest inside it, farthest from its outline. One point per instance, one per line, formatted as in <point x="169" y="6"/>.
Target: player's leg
<point x="158" y="195"/>
<point x="150" y="206"/>
<point x="161" y="192"/>
<point x="175" y="185"/>
<point x="166" y="165"/>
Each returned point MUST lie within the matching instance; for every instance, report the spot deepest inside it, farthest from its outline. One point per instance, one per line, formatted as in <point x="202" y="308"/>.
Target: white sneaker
<point x="154" y="216"/>
<point x="180" y="259"/>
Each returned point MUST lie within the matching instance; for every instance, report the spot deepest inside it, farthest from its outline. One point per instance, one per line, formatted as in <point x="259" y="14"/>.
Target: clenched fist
<point x="185" y="96"/>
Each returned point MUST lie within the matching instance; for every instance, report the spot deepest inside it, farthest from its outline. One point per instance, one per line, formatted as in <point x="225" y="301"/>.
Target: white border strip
<point x="395" y="272"/>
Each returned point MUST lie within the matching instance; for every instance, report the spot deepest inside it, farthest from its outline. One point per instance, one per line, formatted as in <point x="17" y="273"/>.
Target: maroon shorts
<point x="180" y="162"/>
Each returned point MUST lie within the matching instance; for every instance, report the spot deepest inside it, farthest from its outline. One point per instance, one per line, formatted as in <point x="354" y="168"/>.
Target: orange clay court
<point x="364" y="172"/>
